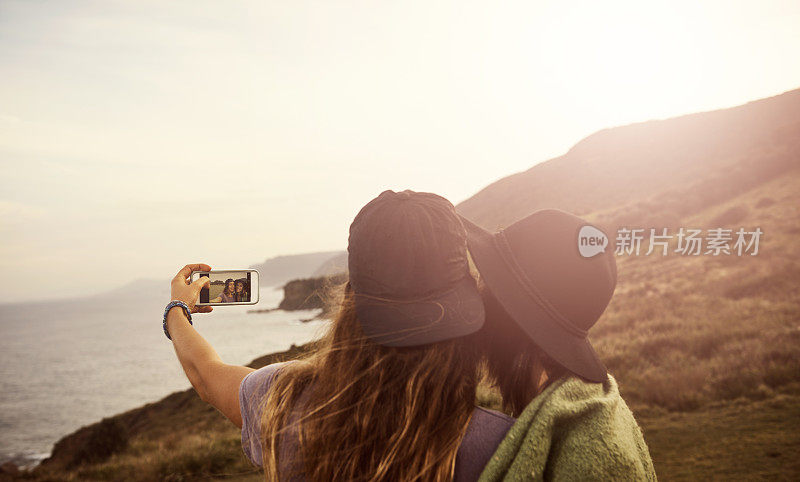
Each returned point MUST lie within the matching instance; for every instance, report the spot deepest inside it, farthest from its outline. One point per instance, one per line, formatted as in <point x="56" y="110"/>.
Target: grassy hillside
<point x="706" y="349"/>
<point x="685" y="331"/>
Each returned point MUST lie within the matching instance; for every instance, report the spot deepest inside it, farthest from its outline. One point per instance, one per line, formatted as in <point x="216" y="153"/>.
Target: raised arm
<point x="216" y="382"/>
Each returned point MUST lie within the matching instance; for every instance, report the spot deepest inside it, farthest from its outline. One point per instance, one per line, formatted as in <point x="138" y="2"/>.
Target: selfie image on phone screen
<point x="229" y="287"/>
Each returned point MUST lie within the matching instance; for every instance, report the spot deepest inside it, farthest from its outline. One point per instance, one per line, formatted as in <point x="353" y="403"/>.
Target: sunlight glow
<point x="304" y="111"/>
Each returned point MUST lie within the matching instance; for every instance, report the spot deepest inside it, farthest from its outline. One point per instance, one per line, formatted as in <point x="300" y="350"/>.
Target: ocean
<point x="66" y="364"/>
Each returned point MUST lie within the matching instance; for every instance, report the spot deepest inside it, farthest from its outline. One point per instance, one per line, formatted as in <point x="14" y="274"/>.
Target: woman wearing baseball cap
<point x="389" y="393"/>
<point x="541" y="297"/>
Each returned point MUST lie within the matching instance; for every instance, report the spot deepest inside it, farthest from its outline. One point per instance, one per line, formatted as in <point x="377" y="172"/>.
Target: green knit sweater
<point x="573" y="430"/>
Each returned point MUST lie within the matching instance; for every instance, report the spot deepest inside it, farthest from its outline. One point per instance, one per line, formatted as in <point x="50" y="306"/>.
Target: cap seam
<point x="435" y="294"/>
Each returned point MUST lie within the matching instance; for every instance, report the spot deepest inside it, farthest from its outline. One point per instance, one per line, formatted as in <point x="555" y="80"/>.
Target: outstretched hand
<point x="187" y="292"/>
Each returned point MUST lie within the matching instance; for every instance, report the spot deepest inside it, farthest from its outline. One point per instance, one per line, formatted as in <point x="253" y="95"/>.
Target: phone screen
<point x="228" y="287"/>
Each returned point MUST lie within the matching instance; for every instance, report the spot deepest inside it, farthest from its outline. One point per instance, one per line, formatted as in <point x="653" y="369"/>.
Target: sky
<point x="138" y="136"/>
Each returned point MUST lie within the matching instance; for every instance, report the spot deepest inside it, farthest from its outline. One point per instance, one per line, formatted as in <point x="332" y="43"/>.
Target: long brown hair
<point x="519" y="368"/>
<point x="370" y="412"/>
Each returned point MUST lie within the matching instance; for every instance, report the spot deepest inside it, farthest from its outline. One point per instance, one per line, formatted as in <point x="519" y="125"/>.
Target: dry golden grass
<point x="685" y="331"/>
<point x="707" y="349"/>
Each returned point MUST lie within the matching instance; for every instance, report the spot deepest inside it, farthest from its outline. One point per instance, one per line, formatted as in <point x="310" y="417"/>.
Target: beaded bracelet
<point x="173" y="304"/>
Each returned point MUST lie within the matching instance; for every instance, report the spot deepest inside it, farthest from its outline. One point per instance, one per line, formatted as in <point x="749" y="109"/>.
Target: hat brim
<point x="458" y="312"/>
<point x="572" y="351"/>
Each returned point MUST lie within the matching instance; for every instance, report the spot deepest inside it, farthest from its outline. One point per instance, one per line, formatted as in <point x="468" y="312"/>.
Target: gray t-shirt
<point x="484" y="433"/>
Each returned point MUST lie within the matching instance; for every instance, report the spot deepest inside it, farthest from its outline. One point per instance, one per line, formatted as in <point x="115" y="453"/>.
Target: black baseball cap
<point x="409" y="272"/>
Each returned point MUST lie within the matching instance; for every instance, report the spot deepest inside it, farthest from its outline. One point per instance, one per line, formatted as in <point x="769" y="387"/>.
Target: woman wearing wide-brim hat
<point x="542" y="295"/>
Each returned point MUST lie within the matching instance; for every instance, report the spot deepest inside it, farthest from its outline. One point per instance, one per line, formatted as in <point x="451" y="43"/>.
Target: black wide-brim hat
<point x="536" y="272"/>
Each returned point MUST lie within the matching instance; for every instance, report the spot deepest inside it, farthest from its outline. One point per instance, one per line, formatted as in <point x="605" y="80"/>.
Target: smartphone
<point x="228" y="287"/>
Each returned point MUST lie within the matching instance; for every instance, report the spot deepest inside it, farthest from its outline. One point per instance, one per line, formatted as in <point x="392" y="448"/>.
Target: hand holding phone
<point x="227" y="287"/>
<point x="182" y="290"/>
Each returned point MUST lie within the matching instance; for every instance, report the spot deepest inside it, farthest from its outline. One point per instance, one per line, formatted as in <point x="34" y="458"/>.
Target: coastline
<point x="94" y="443"/>
<point x="50" y="390"/>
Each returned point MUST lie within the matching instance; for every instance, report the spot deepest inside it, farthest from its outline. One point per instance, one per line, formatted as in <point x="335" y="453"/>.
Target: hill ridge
<point x="651" y="157"/>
